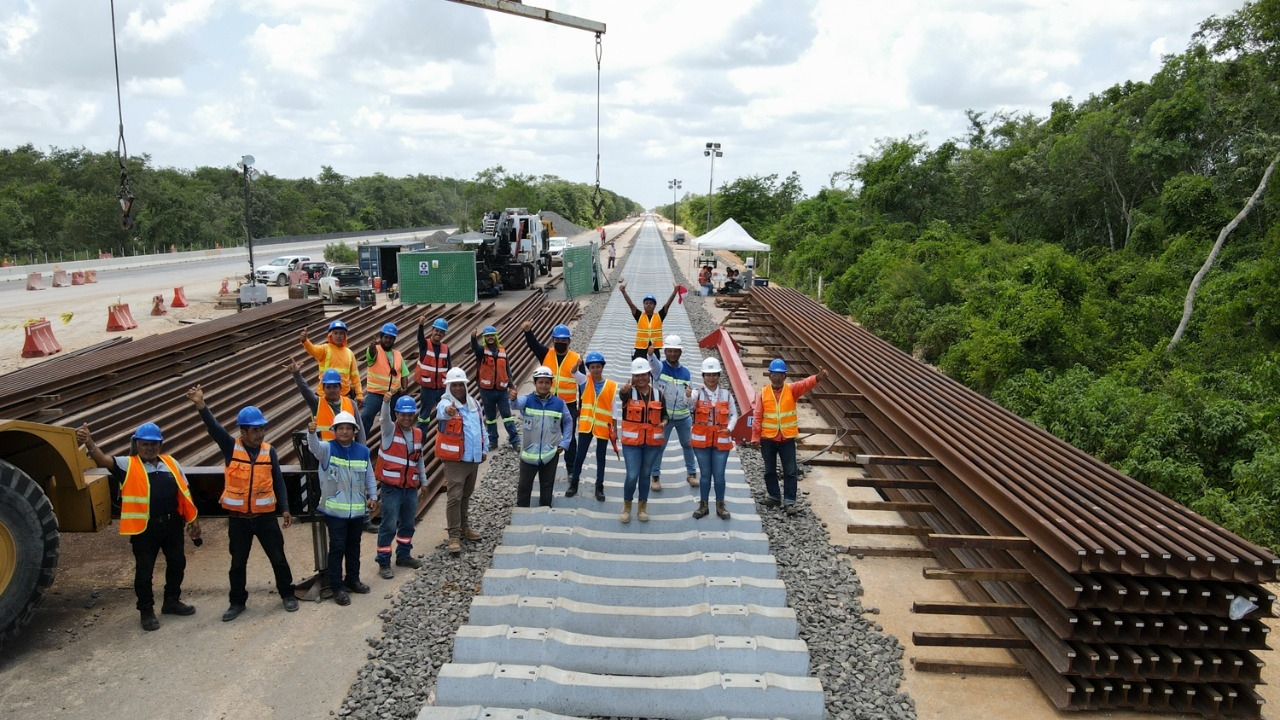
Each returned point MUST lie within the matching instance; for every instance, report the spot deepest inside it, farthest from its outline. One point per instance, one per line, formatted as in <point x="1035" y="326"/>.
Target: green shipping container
<point x="437" y="277"/>
<point x="580" y="266"/>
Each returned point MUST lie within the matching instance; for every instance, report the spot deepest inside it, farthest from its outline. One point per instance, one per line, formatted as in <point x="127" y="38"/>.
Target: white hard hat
<point x="344" y="418"/>
<point x="640" y="366"/>
<point x="672" y="342"/>
<point x="543" y="372"/>
<point x="455" y="375"/>
<point x="710" y="365"/>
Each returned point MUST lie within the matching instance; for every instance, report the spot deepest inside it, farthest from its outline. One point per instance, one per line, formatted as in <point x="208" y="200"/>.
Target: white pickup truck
<point x="277" y="271"/>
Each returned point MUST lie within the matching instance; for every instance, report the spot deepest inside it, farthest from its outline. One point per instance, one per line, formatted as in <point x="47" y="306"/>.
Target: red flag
<point x="681" y="291"/>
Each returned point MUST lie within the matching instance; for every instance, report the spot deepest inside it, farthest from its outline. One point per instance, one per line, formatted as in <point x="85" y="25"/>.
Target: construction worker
<point x="461" y="447"/>
<point x="644" y="422"/>
<point x="494" y="379"/>
<point x="334" y="354"/>
<point x="348" y="493"/>
<point x="714" y="412"/>
<point x="331" y="403"/>
<point x="775" y="425"/>
<point x="548" y="427"/>
<point x="648" y="322"/>
<point x="254" y="490"/>
<point x="594" y="421"/>
<point x="155" y="505"/>
<point x="400" y="471"/>
<point x="567" y="375"/>
<point x="386" y="373"/>
<point x="434" y="362"/>
<point x="674" y="380"/>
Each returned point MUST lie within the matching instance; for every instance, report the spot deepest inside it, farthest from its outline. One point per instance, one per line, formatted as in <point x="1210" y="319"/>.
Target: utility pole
<point x="673" y="186"/>
<point x="713" y="152"/>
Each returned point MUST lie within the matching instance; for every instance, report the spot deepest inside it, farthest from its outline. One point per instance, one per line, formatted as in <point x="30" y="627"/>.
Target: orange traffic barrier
<point x="60" y="278"/>
<point x="77" y="277"/>
<point x="223" y="290"/>
<point x="157" y="305"/>
<point x="120" y="318"/>
<point x="39" y="340"/>
<point x="35" y="281"/>
<point x="179" y="297"/>
<point x="91" y="276"/>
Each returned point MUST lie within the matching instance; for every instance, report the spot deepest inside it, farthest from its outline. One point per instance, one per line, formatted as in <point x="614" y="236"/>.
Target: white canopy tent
<point x="730" y="236"/>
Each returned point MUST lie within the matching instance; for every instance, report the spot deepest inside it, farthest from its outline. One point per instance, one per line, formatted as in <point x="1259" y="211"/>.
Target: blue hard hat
<point x="647" y="298"/>
<point x="489" y="330"/>
<point x="390" y="329"/>
<point x="250" y="416"/>
<point x="148" y="431"/>
<point x="593" y="357"/>
<point x="441" y="324"/>
<point x="406" y="405"/>
<point x="337" y="325"/>
<point x="560" y="332"/>
<point x="331" y="377"/>
<point x="778" y="365"/>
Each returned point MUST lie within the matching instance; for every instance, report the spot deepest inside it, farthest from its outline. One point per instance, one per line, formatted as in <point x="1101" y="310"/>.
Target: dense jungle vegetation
<point x="1044" y="261"/>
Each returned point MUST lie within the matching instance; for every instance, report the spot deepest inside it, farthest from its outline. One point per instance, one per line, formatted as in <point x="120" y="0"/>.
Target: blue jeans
<point x="770" y="450"/>
<point x="497" y="402"/>
<point x="711" y="462"/>
<point x="684" y="428"/>
<point x="584" y="446"/>
<point x="399" y="506"/>
<point x="344" y="544"/>
<point x="372" y="406"/>
<point x="641" y="460"/>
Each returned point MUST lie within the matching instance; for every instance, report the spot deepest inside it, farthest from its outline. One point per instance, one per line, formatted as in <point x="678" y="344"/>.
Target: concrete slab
<point x="662" y="519"/>
<point x="675" y="565"/>
<point x="628" y="541"/>
<point x="631" y="591"/>
<point x="637" y="621"/>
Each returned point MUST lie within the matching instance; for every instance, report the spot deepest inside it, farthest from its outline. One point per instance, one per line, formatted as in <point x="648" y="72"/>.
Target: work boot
<point x="341" y="597"/>
<point x="455" y="546"/>
<point x="625" y="515"/>
<point x="643" y="513"/>
<point x="771" y="502"/>
<point x="721" y="511"/>
<point x="655" y="485"/>
<point x="357" y="587"/>
<point x="385" y="572"/>
<point x="149" y="621"/>
<point x="176" y="607"/>
<point x="702" y="510"/>
<point x="470" y="534"/>
<point x="290" y="603"/>
<point x="409" y="561"/>
<point x="793" y="510"/>
<point x="692" y="479"/>
<point x="573" y="488"/>
<point x="600" y="493"/>
<point x="232" y="613"/>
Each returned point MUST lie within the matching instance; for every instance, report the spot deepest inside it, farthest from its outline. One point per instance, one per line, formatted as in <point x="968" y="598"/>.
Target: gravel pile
<point x="561" y="225"/>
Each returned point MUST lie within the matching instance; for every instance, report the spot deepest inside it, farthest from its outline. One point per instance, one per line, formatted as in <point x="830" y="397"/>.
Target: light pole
<point x="713" y="152"/>
<point x="673" y="186"/>
<point x="246" y="165"/>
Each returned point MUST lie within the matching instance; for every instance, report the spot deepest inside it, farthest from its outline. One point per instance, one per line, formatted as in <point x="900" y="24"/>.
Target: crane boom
<point x="515" y="7"/>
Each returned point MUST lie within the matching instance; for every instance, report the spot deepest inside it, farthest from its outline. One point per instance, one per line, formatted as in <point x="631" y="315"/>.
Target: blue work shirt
<point x="474" y="440"/>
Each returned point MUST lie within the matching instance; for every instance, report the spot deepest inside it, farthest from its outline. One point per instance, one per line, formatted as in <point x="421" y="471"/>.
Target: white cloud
<point x="17" y="30"/>
<point x="166" y="87"/>
<point x="174" y="19"/>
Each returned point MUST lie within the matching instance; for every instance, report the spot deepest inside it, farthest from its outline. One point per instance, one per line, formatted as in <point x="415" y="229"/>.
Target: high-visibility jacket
<point x="325" y="415"/>
<point x="384" y="375"/>
<point x="397" y="465"/>
<point x="543" y="429"/>
<point x="564" y="384"/>
<point x="250" y="487"/>
<point x="135" y="495"/>
<point x="779" y="413"/>
<point x="493" y="370"/>
<point x="642" y="418"/>
<point x="432" y="366"/>
<point x="340" y="358"/>
<point x="711" y="414"/>
<point x="649" y="331"/>
<point x="450" y="439"/>
<point x="343" y="493"/>
<point x="596" y="416"/>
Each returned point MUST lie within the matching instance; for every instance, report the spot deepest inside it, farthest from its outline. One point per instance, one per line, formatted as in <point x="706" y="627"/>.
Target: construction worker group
<point x="571" y="406"/>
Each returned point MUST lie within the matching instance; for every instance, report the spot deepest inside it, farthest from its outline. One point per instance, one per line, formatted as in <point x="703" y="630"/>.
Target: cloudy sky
<point x="428" y="86"/>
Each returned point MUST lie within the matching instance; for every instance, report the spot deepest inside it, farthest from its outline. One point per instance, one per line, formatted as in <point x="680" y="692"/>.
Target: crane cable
<point x="597" y="198"/>
<point x="124" y="194"/>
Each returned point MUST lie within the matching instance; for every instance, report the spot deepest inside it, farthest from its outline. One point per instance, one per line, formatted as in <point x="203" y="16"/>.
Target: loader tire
<point x="28" y="548"/>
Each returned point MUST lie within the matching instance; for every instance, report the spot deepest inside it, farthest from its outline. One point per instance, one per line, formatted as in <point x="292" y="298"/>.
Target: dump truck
<point x="48" y="486"/>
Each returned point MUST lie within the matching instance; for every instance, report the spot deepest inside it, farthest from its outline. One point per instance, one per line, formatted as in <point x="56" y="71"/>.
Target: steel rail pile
<point x="1110" y="594"/>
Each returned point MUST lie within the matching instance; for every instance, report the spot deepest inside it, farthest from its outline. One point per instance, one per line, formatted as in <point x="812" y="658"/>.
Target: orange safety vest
<point x="397" y="465"/>
<point x="597" y="410"/>
<point x="779" y="413"/>
<point x="250" y="487"/>
<point x="649" y="331"/>
<point x="345" y="370"/>
<point x="432" y="366"/>
<point x="710" y="423"/>
<point x="563" y="385"/>
<point x="493" y="369"/>
<point x="325" y="414"/>
<point x="450" y="440"/>
<point x="135" y="495"/>
<point x="642" y="420"/>
<point x="382" y="376"/>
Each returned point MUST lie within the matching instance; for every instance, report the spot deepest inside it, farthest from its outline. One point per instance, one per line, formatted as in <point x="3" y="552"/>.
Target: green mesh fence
<point x="580" y="270"/>
<point x="437" y="277"/>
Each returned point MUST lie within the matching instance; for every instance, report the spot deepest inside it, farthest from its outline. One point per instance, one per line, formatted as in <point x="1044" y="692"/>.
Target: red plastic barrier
<point x="120" y="318"/>
<point x="77" y="277"/>
<point x="157" y="305"/>
<point x="739" y="380"/>
<point x="223" y="290"/>
<point x="39" y="340"/>
<point x="60" y="279"/>
<point x="35" y="281"/>
<point x="90" y="276"/>
<point x="377" y="284"/>
<point x="179" y="298"/>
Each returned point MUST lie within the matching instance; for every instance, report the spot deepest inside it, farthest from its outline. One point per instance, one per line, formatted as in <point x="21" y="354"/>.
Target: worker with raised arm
<point x="494" y="379"/>
<point x="648" y="321"/>
<point x="386" y="373"/>
<point x="400" y="472"/>
<point x="461" y="448"/>
<point x="775" y="426"/>
<point x="434" y="361"/>
<point x="324" y="408"/>
<point x="155" y="506"/>
<point x="253" y="492"/>
<point x="644" y="422"/>
<point x="714" y="413"/>
<point x="348" y="494"/>
<point x="548" y="428"/>
<point x="333" y="354"/>
<point x="567" y="375"/>
<point x="674" y="380"/>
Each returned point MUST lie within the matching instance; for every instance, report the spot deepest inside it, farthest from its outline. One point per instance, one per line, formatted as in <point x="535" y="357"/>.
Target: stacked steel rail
<point x="1108" y="593"/>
